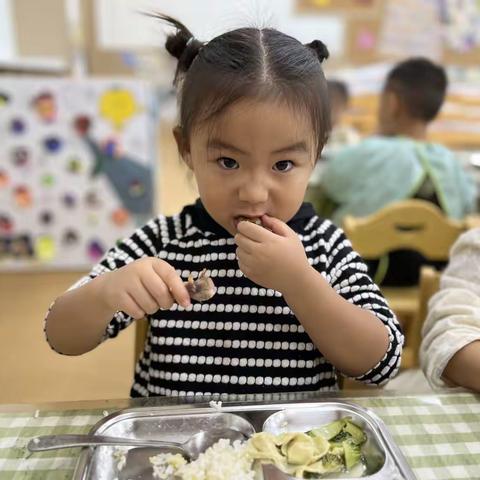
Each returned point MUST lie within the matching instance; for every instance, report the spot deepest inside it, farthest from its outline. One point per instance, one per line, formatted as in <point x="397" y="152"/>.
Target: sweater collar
<point x="202" y="219"/>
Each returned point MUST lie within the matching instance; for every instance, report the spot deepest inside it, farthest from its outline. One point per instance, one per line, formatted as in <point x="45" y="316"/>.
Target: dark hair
<point x="421" y="85"/>
<point x="338" y="89"/>
<point x="248" y="62"/>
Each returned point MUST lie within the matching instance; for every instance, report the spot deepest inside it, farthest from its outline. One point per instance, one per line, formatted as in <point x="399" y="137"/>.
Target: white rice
<point x="216" y="405"/>
<point x="120" y="456"/>
<point x="165" y="465"/>
<point x="222" y="461"/>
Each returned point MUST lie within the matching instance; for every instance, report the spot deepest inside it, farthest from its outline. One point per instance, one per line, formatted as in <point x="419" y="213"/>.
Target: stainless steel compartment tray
<point x="384" y="459"/>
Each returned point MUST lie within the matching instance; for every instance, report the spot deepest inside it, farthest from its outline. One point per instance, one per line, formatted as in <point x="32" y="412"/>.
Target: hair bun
<point x="176" y="44"/>
<point x="320" y="49"/>
<point x="182" y="44"/>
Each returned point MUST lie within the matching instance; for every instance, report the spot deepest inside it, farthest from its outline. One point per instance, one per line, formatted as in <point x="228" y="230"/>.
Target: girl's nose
<point x="253" y="191"/>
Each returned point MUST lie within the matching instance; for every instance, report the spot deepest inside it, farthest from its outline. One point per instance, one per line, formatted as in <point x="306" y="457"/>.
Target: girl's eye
<point x="283" y="166"/>
<point x="228" y="163"/>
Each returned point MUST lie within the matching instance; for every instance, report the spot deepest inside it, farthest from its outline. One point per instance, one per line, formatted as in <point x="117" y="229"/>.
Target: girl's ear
<point x="182" y="145"/>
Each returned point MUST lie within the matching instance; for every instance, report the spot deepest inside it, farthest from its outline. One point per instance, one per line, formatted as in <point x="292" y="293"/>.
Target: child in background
<point x="400" y="163"/>
<point x="450" y="350"/>
<point x="294" y="304"/>
<point x="342" y="135"/>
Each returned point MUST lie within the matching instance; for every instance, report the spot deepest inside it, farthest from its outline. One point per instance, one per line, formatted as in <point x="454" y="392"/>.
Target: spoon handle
<point x="53" y="442"/>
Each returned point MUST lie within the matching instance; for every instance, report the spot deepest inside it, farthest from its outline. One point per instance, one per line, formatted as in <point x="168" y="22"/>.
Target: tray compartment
<point x="151" y="424"/>
<point x="302" y="419"/>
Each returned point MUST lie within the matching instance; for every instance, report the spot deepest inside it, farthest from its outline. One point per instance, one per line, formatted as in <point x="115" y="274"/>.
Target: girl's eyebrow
<point x="295" y="147"/>
<point x="219" y="144"/>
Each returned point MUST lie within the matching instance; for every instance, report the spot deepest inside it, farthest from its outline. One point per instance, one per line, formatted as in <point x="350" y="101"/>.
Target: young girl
<point x="294" y="304"/>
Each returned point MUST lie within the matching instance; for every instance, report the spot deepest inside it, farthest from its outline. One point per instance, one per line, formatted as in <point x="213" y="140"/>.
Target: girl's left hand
<point x="273" y="258"/>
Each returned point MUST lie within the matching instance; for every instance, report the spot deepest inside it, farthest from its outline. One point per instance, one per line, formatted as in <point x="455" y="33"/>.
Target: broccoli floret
<point x="353" y="454"/>
<point x="332" y="463"/>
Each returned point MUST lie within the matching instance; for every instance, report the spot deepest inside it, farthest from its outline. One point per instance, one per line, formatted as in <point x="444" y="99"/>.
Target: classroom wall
<point x="31" y="372"/>
<point x="40" y="28"/>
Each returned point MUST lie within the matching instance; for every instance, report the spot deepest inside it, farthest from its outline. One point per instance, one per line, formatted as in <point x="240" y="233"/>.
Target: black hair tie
<point x="191" y="50"/>
<point x="320" y="49"/>
<point x="181" y="44"/>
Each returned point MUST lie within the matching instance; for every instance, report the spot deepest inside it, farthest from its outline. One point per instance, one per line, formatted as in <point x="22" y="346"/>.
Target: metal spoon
<point x="191" y="449"/>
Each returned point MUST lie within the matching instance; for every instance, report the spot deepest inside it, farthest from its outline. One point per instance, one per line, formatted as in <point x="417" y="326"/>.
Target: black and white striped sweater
<point x="245" y="339"/>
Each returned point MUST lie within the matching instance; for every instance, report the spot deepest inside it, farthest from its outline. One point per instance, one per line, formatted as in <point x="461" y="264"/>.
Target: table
<point x="439" y="433"/>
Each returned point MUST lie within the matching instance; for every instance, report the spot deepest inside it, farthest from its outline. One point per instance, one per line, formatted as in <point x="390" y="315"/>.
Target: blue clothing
<point x="380" y="170"/>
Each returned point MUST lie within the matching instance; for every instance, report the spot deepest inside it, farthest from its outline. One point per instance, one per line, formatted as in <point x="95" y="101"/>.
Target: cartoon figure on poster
<point x="131" y="180"/>
<point x="76" y="168"/>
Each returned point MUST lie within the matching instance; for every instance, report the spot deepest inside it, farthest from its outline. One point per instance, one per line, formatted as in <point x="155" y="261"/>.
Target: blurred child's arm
<point x="464" y="367"/>
<point x="450" y="349"/>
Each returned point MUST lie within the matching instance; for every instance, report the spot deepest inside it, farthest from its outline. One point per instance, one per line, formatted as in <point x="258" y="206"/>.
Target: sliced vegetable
<point x="358" y="435"/>
<point x="328" y="431"/>
<point x="329" y="449"/>
<point x="353" y="454"/>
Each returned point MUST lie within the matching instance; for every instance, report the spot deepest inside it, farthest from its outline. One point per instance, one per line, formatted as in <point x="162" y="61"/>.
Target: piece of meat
<point x="256" y="221"/>
<point x="201" y="289"/>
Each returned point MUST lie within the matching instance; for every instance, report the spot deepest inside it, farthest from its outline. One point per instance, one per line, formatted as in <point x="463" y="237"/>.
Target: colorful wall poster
<point x="411" y="28"/>
<point x="461" y="20"/>
<point x="77" y="162"/>
<point x="349" y="6"/>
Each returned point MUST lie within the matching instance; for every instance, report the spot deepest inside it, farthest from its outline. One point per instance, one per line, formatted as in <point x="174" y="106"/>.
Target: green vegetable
<point x="358" y="435"/>
<point x="328" y="431"/>
<point x="332" y="463"/>
<point x="332" y="448"/>
<point x="353" y="454"/>
<point x="341" y="437"/>
<point x="336" y="448"/>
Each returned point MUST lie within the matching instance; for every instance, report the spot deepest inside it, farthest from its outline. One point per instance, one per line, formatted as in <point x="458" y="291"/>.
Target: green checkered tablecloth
<point x="438" y="433"/>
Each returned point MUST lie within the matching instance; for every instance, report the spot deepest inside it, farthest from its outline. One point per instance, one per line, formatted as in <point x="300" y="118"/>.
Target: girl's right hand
<point x="143" y="287"/>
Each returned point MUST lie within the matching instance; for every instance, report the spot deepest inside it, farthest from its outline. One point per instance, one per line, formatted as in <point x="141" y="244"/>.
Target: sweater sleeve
<point x="145" y="242"/>
<point x="347" y="274"/>
<point x="453" y="320"/>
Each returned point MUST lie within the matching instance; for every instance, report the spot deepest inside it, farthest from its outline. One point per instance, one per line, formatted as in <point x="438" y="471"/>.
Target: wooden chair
<point x="428" y="286"/>
<point x="141" y="332"/>
<point x="410" y="224"/>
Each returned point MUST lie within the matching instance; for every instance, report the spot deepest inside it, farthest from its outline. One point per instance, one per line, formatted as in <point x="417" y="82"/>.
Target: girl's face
<point x="254" y="159"/>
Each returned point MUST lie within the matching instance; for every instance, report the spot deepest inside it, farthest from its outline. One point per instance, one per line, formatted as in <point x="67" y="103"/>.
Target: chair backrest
<point x="410" y="224"/>
<point x="141" y="333"/>
<point x="428" y="286"/>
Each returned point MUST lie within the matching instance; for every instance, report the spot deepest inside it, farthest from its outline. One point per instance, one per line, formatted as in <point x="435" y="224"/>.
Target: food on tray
<point x="222" y="461"/>
<point x="331" y="448"/>
<point x="201" y="289"/>
<point x="216" y="405"/>
<point x="165" y="465"/>
<point x="120" y="456"/>
<point x="335" y="448"/>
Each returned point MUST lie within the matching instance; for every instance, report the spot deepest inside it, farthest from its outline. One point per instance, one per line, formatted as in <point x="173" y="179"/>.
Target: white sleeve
<point x="453" y="320"/>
